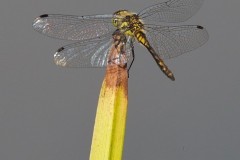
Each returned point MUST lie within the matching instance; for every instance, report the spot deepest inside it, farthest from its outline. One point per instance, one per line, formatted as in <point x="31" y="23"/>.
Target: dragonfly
<point x="93" y="34"/>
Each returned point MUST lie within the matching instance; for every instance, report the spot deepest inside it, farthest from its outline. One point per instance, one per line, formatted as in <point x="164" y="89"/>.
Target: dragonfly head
<point x="127" y="22"/>
<point x="120" y="17"/>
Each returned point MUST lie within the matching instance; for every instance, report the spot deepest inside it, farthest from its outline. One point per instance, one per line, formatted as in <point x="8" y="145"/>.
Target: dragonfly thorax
<point x="127" y="22"/>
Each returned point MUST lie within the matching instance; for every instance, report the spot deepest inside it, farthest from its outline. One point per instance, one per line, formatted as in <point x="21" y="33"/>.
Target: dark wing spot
<point x="43" y="16"/>
<point x="200" y="27"/>
<point x="60" y="49"/>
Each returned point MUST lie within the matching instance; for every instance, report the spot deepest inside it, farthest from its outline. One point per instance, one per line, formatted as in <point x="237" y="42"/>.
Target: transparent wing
<point x="172" y="41"/>
<point x="172" y="11"/>
<point x="89" y="53"/>
<point x="86" y="54"/>
<point x="74" y="27"/>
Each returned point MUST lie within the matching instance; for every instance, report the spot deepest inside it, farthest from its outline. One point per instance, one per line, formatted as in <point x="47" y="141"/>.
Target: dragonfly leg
<point x="133" y="55"/>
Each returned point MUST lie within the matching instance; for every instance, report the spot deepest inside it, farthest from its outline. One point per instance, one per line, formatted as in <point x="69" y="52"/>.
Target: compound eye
<point x="115" y="22"/>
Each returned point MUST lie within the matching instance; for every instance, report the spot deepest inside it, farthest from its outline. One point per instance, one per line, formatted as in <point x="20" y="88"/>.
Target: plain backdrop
<point x="47" y="112"/>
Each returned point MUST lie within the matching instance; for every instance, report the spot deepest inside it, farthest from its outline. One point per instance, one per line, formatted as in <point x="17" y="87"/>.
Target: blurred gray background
<point x="47" y="112"/>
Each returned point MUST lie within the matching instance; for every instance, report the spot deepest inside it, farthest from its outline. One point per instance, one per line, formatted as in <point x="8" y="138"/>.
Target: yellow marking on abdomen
<point x="140" y="36"/>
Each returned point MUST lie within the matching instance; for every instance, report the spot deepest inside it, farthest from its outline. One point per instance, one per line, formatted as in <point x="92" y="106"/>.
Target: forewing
<point x="172" y="11"/>
<point x="74" y="27"/>
<point x="172" y="41"/>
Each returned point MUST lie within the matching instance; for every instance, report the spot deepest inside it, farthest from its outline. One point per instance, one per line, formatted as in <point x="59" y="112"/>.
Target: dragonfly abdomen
<point x="141" y="37"/>
<point x="161" y="64"/>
